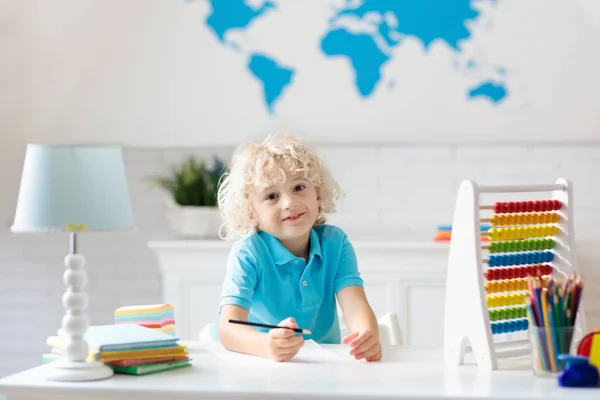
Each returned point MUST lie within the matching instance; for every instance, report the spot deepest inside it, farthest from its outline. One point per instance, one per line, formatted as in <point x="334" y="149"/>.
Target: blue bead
<point x="529" y="258"/>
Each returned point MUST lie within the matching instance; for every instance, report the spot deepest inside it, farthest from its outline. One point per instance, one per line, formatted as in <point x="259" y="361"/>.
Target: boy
<point x="289" y="266"/>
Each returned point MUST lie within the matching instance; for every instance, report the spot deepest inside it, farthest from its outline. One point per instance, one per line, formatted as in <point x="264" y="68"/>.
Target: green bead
<point x="512" y="313"/>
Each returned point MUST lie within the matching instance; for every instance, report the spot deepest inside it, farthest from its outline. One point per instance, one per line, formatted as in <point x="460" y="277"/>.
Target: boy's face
<point x="287" y="211"/>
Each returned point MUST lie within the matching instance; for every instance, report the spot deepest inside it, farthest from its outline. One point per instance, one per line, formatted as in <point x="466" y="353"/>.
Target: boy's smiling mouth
<point x="293" y="217"/>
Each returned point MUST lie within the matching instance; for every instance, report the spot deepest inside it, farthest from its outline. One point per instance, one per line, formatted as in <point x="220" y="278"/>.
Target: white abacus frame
<point x="467" y="326"/>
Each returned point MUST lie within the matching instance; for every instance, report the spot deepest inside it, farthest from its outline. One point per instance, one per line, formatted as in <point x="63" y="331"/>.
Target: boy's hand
<point x="283" y="344"/>
<point x="364" y="344"/>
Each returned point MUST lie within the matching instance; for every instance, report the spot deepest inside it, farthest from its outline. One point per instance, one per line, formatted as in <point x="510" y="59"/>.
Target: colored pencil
<point x="298" y="330"/>
<point x="541" y="359"/>
<point x="552" y="306"/>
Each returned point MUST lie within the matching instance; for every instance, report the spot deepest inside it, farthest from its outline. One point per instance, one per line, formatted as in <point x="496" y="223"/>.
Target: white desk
<point x="403" y="374"/>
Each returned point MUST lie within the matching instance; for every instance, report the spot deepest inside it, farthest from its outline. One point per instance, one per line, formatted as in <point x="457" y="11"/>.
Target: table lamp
<point x="74" y="189"/>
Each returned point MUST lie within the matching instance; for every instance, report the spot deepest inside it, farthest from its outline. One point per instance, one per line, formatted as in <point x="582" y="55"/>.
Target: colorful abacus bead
<point x="509" y="326"/>
<point x="521" y="232"/>
<point x="521" y="245"/>
<point x="520" y="259"/>
<point x="505" y="300"/>
<point x="526" y="206"/>
<point x="499" y="314"/>
<point x="506" y="285"/>
<point x="524" y="219"/>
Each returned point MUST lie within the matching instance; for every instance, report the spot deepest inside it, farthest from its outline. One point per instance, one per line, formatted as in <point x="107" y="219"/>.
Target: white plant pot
<point x="194" y="222"/>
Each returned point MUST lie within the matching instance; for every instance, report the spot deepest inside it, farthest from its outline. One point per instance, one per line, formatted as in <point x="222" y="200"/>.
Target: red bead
<point x="518" y="206"/>
<point x="545" y="205"/>
<point x="557" y="205"/>
<point x="548" y="269"/>
<point x="523" y="206"/>
<point x="518" y="272"/>
<point x="497" y="207"/>
<point x="530" y="206"/>
<point x="538" y="206"/>
<point x="505" y="207"/>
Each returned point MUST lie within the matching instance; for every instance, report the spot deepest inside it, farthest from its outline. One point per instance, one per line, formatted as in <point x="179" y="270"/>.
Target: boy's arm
<point x="240" y="338"/>
<point x="358" y="314"/>
<point x="278" y="344"/>
<point x="360" y="320"/>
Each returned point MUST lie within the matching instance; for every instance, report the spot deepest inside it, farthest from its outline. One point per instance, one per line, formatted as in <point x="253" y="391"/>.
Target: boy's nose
<point x="289" y="202"/>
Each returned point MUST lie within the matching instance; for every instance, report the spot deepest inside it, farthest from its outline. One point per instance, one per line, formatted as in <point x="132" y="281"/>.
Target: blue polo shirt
<point x="272" y="284"/>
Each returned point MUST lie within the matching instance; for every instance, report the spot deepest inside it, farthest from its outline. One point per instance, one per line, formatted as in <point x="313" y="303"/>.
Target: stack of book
<point x="444" y="233"/>
<point x="128" y="348"/>
<point x="156" y="316"/>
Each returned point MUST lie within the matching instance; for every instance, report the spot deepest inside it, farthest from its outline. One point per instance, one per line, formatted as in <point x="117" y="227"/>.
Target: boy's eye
<point x="299" y="188"/>
<point x="271" y="196"/>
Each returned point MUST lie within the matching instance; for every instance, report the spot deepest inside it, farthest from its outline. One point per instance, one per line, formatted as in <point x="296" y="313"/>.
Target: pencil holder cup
<point x="547" y="344"/>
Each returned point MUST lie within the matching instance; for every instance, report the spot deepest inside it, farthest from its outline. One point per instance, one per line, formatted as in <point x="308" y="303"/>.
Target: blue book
<point x="127" y="337"/>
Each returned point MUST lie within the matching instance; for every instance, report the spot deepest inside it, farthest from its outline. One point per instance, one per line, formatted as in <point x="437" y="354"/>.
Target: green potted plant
<point x="192" y="205"/>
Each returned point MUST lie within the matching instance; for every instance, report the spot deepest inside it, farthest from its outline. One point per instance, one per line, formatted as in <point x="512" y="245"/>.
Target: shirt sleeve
<point x="347" y="273"/>
<point x="240" y="280"/>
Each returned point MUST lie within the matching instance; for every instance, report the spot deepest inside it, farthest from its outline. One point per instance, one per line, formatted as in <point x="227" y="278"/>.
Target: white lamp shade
<point x="73" y="187"/>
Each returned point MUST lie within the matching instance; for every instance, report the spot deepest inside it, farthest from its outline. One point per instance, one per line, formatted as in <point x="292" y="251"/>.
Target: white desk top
<point x="402" y="374"/>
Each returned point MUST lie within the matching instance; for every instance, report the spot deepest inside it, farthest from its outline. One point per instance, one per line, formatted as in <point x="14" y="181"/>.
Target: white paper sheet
<point x="310" y="353"/>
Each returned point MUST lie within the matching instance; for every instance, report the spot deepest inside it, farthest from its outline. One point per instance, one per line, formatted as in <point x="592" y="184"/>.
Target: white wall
<point x="393" y="191"/>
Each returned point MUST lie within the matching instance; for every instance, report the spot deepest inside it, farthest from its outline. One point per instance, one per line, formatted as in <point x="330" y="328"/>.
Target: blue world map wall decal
<point x="390" y="24"/>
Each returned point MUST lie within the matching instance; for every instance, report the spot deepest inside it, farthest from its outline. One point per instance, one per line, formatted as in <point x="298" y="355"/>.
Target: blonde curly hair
<point x="264" y="164"/>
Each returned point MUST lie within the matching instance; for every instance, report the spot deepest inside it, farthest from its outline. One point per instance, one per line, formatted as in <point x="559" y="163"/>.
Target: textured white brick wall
<point x="399" y="191"/>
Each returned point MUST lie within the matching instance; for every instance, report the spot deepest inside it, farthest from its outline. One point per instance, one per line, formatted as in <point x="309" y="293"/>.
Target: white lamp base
<point x="74" y="367"/>
<point x="76" y="371"/>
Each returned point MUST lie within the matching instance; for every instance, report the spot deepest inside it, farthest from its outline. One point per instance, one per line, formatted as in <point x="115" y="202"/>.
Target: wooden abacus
<point x="485" y="293"/>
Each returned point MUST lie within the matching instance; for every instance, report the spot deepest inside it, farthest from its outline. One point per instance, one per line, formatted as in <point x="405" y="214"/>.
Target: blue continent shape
<point x="365" y="56"/>
<point x="232" y="14"/>
<point x="273" y="76"/>
<point x="425" y="20"/>
<point x="490" y="90"/>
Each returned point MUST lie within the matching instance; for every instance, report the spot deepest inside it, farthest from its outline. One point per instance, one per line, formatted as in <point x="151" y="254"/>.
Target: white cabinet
<point x="402" y="277"/>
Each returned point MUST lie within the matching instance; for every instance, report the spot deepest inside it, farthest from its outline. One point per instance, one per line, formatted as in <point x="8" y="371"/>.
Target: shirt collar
<point x="282" y="256"/>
